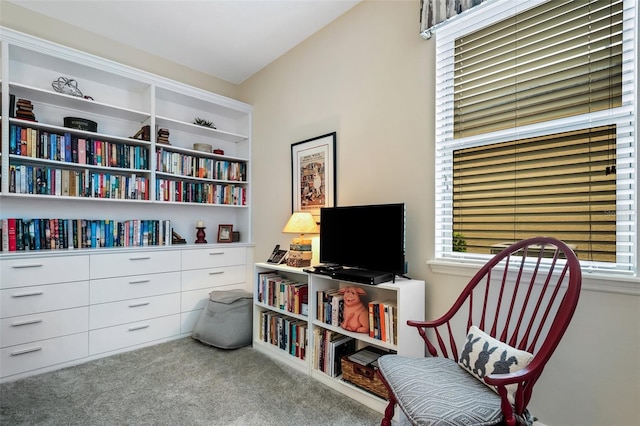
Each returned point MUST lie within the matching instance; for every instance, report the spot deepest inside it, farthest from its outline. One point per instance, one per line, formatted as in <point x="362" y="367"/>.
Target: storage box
<point x="365" y="377"/>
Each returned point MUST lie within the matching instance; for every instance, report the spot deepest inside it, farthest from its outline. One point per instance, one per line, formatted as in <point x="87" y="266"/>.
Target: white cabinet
<point x="84" y="305"/>
<point x="407" y="295"/>
<point x="97" y="172"/>
<point x="44" y="312"/>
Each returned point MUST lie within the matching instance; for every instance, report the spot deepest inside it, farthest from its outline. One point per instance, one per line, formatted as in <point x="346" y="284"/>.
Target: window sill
<point x="590" y="281"/>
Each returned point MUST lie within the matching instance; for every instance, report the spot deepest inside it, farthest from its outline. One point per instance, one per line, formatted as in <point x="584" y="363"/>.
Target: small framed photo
<point x="225" y="233"/>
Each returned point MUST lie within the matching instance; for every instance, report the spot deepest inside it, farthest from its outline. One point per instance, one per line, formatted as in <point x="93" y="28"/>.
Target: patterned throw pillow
<point x="483" y="355"/>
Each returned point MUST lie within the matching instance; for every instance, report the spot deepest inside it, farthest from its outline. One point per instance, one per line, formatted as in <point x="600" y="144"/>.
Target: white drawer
<point x="213" y="257"/>
<point x="112" y="338"/>
<point x="31" y="356"/>
<point x="43" y="270"/>
<point x="107" y="265"/>
<point x="46" y="325"/>
<point x="197" y="299"/>
<point x="213" y="277"/>
<point x="126" y="311"/>
<point x="123" y="288"/>
<point x="43" y="298"/>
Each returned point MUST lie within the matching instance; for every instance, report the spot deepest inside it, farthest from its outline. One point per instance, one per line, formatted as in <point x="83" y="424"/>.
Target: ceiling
<point x="228" y="39"/>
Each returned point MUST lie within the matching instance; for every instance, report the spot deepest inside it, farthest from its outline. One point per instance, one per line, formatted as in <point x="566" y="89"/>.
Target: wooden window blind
<point x="556" y="60"/>
<point x="561" y="184"/>
<point x="534" y="100"/>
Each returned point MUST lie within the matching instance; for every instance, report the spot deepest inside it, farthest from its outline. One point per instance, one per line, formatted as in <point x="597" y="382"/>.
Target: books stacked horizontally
<point x="24" y="110"/>
<point x="329" y="349"/>
<point x="300" y="254"/>
<point x="163" y="136"/>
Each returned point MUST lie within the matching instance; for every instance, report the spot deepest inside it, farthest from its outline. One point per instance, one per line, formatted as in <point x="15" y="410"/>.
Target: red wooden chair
<point x="524" y="298"/>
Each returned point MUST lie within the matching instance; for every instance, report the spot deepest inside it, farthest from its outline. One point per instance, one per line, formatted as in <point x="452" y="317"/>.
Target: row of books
<point x="285" y="332"/>
<point x="329" y="348"/>
<point x="28" y="179"/>
<point x="383" y="321"/>
<point x="206" y="168"/>
<point x="36" y="143"/>
<point x="330" y="306"/>
<point x="200" y="192"/>
<point x="283" y="293"/>
<point x="20" y="234"/>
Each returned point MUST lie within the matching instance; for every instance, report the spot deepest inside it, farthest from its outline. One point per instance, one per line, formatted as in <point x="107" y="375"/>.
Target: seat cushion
<point x="436" y="391"/>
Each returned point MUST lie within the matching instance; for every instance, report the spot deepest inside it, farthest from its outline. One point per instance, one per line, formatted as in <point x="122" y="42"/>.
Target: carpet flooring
<point x="181" y="382"/>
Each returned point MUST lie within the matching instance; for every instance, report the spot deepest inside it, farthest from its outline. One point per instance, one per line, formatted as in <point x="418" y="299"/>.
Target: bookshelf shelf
<point x="408" y="296"/>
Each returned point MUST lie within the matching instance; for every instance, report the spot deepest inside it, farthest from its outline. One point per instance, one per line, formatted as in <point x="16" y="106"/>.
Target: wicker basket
<point x="365" y="377"/>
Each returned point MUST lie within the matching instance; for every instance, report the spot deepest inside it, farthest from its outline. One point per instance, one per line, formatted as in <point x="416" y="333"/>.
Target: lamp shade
<point x="301" y="223"/>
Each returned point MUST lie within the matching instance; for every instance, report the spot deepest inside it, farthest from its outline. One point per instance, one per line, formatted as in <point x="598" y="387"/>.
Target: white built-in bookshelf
<point x="279" y="308"/>
<point x="109" y="173"/>
<point x="75" y="297"/>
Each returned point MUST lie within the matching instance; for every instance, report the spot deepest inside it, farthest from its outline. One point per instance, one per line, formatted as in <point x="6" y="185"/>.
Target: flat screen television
<point x="368" y="237"/>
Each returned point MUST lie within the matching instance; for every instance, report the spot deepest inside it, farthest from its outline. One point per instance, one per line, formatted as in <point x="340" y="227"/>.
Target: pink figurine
<point x="356" y="315"/>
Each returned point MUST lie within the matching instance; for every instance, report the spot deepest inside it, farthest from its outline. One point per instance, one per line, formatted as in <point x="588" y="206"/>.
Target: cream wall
<point x="26" y="21"/>
<point x="370" y="77"/>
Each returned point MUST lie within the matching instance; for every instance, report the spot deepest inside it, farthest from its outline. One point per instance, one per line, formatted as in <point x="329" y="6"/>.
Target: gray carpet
<point x="181" y="382"/>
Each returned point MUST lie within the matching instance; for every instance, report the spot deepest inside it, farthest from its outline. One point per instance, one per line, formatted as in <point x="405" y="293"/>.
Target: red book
<point x="9" y="242"/>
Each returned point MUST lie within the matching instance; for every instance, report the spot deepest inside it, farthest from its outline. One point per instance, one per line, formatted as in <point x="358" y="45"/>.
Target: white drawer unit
<point x="115" y="313"/>
<point x="109" y="265"/>
<point x="43" y="325"/>
<point x="30" y="271"/>
<point x="213" y="277"/>
<point x="43" y="298"/>
<point x="122" y="336"/>
<point x="131" y="287"/>
<point x="43" y="353"/>
<point x="213" y="257"/>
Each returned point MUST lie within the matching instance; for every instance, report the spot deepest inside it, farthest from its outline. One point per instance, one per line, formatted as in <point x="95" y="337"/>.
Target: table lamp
<point x="301" y="223"/>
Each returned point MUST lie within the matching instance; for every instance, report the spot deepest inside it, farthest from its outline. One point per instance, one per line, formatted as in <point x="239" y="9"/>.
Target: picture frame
<point x="225" y="233"/>
<point x="313" y="174"/>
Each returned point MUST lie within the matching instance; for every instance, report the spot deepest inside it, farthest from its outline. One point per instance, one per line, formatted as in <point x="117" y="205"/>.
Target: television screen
<point x="368" y="237"/>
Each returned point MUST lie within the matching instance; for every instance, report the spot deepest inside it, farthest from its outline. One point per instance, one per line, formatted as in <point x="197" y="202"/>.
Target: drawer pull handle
<point x="136" y="305"/>
<point x="139" y="327"/>
<point x="140" y="258"/>
<point x="216" y="253"/>
<point x="216" y="273"/>
<point x="31" y="265"/>
<point x="26" y="351"/>
<point x="26" y="322"/>
<point x="139" y="282"/>
<point x="32" y="293"/>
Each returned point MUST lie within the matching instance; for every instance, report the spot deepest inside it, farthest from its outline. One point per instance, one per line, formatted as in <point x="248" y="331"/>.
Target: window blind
<point x="535" y="72"/>
<point x="559" y="183"/>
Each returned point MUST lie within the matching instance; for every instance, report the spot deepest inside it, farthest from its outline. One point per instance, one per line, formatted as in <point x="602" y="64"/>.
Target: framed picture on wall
<point x="313" y="174"/>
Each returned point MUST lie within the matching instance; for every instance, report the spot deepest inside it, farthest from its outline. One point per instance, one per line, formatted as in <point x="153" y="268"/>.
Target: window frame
<point x="447" y="261"/>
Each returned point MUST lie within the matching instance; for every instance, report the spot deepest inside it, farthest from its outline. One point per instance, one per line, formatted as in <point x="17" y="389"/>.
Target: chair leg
<point x="389" y="412"/>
